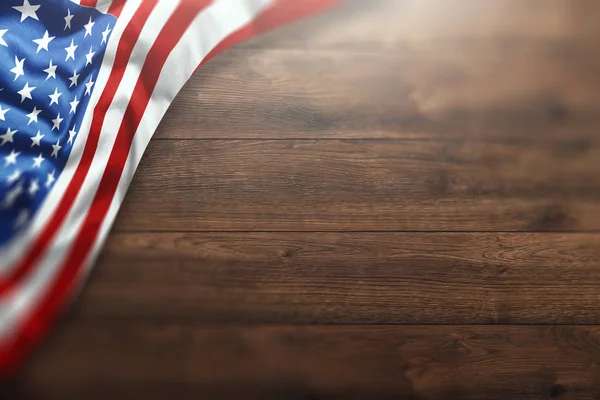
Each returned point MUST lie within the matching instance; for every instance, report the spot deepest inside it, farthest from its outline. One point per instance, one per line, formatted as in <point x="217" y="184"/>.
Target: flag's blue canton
<point x="50" y="55"/>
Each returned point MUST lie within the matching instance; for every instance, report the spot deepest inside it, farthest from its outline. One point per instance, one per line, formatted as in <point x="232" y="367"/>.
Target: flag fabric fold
<point x="83" y="86"/>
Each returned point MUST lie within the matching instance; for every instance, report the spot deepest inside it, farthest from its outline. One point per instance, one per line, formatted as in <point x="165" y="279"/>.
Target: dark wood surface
<point x="395" y="200"/>
<point x="350" y="278"/>
<point x="364" y="185"/>
<point x="158" y="360"/>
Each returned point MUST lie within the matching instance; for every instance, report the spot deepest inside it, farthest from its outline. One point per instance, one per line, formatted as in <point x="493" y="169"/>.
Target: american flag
<point x="83" y="86"/>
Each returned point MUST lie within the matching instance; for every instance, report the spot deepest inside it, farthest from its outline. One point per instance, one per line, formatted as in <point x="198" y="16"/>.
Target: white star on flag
<point x="55" y="149"/>
<point x="3" y="112"/>
<point x="74" y="79"/>
<point x="34" y="187"/>
<point x="11" y="158"/>
<point x="35" y="141"/>
<point x="37" y="162"/>
<point x="105" y="34"/>
<point x="50" y="180"/>
<point x="68" y="19"/>
<point x="2" y="32"/>
<point x="33" y="115"/>
<point x="43" y="42"/>
<point x="27" y="10"/>
<point x="88" y="87"/>
<point x="72" y="134"/>
<point x="88" y="28"/>
<point x="26" y="92"/>
<point x="54" y="97"/>
<point x="71" y="50"/>
<point x="14" y="177"/>
<point x="8" y="136"/>
<point x="12" y="195"/>
<point x="74" y="105"/>
<point x="18" y="69"/>
<point x="51" y="71"/>
<point x="56" y="122"/>
<point x="88" y="57"/>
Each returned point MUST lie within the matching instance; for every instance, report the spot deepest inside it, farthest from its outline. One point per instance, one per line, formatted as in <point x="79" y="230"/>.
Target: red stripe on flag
<point x="116" y="7"/>
<point x="89" y="3"/>
<point x="124" y="50"/>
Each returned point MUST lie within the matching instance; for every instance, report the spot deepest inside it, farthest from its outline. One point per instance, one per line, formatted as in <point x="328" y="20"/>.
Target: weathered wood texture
<point x="426" y="91"/>
<point x="395" y="200"/>
<point x="348" y="278"/>
<point x="316" y="362"/>
<point x="362" y="185"/>
<point x="416" y="69"/>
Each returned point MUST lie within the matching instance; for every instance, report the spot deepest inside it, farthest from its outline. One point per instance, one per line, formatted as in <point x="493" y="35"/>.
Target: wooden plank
<point x="364" y="185"/>
<point x="492" y="108"/>
<point x="348" y="278"/>
<point x="124" y="360"/>
<point x="457" y="90"/>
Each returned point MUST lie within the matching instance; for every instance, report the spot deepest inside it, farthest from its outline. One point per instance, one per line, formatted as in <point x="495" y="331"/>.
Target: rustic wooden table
<point x="398" y="199"/>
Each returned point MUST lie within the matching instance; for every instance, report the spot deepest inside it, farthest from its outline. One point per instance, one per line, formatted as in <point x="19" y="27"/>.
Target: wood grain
<point x="364" y="185"/>
<point x="394" y="200"/>
<point x="123" y="359"/>
<point x="416" y="69"/>
<point x="426" y="91"/>
<point x="348" y="278"/>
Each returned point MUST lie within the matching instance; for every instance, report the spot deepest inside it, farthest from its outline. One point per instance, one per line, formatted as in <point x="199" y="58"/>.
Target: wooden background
<point x="396" y="200"/>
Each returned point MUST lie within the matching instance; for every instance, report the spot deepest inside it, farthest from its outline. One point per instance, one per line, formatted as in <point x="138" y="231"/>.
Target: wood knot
<point x="288" y="253"/>
<point x="557" y="390"/>
<point x="557" y="111"/>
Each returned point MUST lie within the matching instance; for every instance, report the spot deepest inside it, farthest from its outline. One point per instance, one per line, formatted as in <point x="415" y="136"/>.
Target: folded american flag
<point x="83" y="86"/>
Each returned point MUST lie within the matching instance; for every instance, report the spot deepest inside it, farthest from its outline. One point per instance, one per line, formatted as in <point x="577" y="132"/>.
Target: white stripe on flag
<point x="103" y="6"/>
